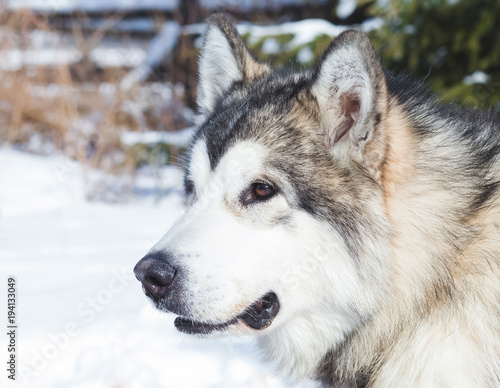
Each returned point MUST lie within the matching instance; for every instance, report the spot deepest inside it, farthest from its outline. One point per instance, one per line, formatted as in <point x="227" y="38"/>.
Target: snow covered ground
<point x="83" y="319"/>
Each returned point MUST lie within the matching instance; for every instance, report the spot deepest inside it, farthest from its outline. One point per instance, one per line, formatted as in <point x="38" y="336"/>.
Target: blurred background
<point x="97" y="105"/>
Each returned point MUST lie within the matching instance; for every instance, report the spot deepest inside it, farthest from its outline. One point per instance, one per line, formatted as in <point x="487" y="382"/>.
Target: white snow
<point x="13" y="60"/>
<point x="304" y="31"/>
<point x="345" y="8"/>
<point x="83" y="319"/>
<point x="105" y="56"/>
<point x="305" y="55"/>
<point x="270" y="46"/>
<point x="478" y="77"/>
<point x="139" y="24"/>
<point x="117" y="56"/>
<point x="371" y="24"/>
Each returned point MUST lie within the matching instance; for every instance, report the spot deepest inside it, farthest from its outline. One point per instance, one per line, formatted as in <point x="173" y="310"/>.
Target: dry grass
<point x="78" y="107"/>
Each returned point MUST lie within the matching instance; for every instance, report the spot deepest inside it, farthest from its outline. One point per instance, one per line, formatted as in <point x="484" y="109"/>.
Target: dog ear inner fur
<point x="350" y="88"/>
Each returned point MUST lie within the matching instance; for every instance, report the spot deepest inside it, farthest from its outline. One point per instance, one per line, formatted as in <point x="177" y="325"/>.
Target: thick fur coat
<point x="365" y="211"/>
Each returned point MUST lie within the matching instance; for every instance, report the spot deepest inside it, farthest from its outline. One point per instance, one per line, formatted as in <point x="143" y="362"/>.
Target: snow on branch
<point x="178" y="139"/>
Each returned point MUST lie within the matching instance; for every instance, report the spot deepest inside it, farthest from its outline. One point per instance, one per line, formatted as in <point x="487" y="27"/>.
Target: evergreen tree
<point x="446" y="42"/>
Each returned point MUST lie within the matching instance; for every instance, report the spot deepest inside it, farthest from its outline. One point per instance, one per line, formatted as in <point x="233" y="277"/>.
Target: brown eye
<point x="257" y="192"/>
<point x="262" y="190"/>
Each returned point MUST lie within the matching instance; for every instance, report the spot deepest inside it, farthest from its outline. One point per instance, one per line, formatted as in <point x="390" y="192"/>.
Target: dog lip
<point x="261" y="313"/>
<point x="188" y="326"/>
<point x="258" y="316"/>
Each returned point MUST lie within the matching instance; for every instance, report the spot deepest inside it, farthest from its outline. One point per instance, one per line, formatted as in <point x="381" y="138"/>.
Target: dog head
<point x="285" y="229"/>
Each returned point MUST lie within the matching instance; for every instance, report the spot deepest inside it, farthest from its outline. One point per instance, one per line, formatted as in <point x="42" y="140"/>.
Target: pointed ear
<point x="351" y="91"/>
<point x="224" y="60"/>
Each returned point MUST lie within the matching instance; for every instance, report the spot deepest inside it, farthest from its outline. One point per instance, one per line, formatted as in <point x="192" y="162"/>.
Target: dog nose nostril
<point x="159" y="286"/>
<point x="157" y="282"/>
<point x="155" y="274"/>
<point x="160" y="281"/>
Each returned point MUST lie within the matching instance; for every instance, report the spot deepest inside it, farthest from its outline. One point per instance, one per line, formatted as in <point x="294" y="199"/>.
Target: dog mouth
<point x="259" y="315"/>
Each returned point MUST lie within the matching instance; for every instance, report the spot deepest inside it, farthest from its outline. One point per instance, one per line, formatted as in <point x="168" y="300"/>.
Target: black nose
<point x="156" y="274"/>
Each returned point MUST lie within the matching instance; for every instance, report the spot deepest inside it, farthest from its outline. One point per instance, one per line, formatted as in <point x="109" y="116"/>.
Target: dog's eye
<point x="262" y="190"/>
<point x="257" y="192"/>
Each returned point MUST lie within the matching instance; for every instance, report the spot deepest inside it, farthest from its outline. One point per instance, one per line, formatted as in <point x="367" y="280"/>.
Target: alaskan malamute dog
<point x="341" y="214"/>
